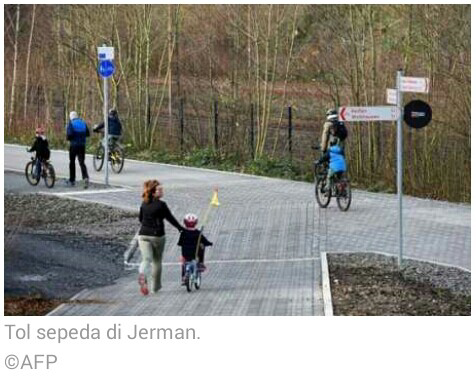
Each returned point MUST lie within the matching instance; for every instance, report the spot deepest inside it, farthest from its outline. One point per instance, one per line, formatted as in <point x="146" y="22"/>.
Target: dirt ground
<point x="55" y="247"/>
<point x="369" y="284"/>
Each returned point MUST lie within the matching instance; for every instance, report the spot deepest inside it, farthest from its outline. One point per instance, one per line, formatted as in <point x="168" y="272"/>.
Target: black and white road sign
<point x="417" y="114"/>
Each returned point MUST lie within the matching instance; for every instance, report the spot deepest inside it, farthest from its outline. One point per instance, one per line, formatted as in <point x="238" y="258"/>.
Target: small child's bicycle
<point x="47" y="171"/>
<point x="193" y="276"/>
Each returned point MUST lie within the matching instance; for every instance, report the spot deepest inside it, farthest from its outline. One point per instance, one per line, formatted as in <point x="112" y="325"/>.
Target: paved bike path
<point x="268" y="234"/>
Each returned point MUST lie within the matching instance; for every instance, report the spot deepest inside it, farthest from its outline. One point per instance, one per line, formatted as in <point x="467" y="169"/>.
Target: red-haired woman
<point x="153" y="211"/>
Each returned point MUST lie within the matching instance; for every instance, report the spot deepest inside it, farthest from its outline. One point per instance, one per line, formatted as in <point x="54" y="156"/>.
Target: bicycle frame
<point x="191" y="269"/>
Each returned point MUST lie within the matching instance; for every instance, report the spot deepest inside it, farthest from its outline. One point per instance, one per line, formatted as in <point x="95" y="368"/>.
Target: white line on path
<point x="61" y="306"/>
<point x="85" y="192"/>
<point x="239" y="261"/>
<point x="126" y="187"/>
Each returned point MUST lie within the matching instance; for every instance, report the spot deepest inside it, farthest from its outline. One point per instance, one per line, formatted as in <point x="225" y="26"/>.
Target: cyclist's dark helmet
<point x="113" y="112"/>
<point x="331" y="114"/>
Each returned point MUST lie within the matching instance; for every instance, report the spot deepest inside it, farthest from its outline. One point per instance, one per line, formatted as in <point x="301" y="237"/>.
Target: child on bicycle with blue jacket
<point x="335" y="157"/>
<point x="193" y="243"/>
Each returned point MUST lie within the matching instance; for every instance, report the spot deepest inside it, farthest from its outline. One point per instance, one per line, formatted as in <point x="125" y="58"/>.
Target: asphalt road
<point x="268" y="234"/>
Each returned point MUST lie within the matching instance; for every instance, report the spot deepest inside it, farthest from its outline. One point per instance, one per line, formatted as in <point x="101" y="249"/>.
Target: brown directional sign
<point x="417" y="114"/>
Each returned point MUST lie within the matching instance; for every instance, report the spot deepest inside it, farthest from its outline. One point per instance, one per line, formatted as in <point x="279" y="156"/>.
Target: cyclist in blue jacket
<point x="335" y="157"/>
<point x="76" y="132"/>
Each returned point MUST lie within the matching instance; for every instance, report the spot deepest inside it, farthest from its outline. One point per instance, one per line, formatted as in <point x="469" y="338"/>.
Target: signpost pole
<point x="106" y="68"/>
<point x="399" y="167"/>
<point x="106" y="135"/>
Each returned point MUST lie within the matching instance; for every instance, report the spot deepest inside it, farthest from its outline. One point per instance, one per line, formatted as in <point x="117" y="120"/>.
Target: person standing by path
<point x="76" y="132"/>
<point x="152" y="213"/>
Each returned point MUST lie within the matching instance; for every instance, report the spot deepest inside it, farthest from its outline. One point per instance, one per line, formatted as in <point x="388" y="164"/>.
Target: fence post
<point x="290" y="132"/>
<point x="37" y="122"/>
<point x="216" y="125"/>
<point x="252" y="132"/>
<point x="181" y="126"/>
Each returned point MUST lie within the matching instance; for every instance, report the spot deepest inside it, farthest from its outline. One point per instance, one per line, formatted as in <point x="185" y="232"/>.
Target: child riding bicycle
<point x="40" y="146"/>
<point x="193" y="244"/>
<point x="337" y="164"/>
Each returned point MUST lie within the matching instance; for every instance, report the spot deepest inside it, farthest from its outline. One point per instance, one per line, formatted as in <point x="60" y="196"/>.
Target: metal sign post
<point x="106" y="69"/>
<point x="106" y="134"/>
<point x="399" y="168"/>
<point x="418" y="115"/>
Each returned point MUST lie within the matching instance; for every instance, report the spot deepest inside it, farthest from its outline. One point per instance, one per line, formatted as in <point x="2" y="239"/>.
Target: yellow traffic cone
<point x="214" y="201"/>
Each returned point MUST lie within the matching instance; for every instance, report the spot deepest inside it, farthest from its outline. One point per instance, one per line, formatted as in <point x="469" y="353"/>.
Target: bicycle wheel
<point x="98" y="158"/>
<point x="323" y="197"/>
<point x="198" y="281"/>
<point x="117" y="159"/>
<point x="189" y="283"/>
<point x="344" y="194"/>
<point x="30" y="174"/>
<point x="49" y="175"/>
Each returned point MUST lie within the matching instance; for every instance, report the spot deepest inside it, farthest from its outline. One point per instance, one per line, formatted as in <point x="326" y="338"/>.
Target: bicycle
<point x="116" y="156"/>
<point x="47" y="172"/>
<point x="339" y="188"/>
<point x="193" y="275"/>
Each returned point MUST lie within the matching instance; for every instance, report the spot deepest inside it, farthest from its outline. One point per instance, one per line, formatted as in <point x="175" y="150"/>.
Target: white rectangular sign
<point x="413" y="84"/>
<point x="391" y="96"/>
<point x="383" y="113"/>
<point x="106" y="53"/>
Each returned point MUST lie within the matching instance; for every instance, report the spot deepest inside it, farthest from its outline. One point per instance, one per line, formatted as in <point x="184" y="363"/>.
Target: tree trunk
<point x="147" y="21"/>
<point x="15" y="64"/>
<point x="169" y="34"/>
<point x="28" y="54"/>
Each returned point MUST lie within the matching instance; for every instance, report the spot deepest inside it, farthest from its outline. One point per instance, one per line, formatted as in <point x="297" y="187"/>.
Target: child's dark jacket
<point x="188" y="241"/>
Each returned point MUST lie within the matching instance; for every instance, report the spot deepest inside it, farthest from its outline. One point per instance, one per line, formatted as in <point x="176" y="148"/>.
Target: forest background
<point x="246" y="87"/>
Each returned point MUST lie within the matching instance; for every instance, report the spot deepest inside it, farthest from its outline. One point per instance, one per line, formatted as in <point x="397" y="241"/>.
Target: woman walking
<point x="152" y="213"/>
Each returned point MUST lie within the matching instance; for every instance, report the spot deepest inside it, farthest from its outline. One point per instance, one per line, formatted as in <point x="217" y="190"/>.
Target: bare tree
<point x="28" y="54"/>
<point x="15" y="64"/>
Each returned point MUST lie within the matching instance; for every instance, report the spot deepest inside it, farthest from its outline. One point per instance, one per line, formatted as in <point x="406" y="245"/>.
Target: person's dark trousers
<point x="38" y="168"/>
<point x="80" y="152"/>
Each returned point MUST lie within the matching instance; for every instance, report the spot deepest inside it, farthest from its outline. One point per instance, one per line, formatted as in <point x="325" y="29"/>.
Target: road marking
<point x="85" y="192"/>
<point x="240" y="261"/>
<point x="63" y="305"/>
<point x="5" y="169"/>
<point x="14" y="170"/>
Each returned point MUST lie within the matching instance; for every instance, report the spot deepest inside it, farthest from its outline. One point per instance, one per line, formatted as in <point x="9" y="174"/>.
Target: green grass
<point x="211" y="159"/>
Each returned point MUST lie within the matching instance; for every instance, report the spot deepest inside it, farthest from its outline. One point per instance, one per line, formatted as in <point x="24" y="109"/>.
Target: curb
<point x="129" y="252"/>
<point x="326" y="286"/>
<point x="63" y="305"/>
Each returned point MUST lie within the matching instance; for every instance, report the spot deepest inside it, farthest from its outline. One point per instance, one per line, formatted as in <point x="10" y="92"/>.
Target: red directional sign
<point x="384" y="113"/>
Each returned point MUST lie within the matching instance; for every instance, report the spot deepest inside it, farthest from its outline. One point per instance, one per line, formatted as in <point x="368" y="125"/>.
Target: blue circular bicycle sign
<point x="106" y="68"/>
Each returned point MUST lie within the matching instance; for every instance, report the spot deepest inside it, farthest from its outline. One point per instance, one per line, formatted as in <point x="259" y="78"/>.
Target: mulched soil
<point x="17" y="306"/>
<point x="370" y="284"/>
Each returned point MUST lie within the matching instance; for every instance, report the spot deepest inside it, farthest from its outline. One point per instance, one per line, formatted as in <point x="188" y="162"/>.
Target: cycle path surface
<point x="267" y="233"/>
